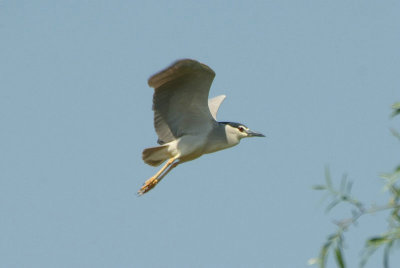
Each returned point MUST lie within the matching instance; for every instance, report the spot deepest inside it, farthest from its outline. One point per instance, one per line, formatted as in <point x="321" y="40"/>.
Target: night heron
<point x="185" y="120"/>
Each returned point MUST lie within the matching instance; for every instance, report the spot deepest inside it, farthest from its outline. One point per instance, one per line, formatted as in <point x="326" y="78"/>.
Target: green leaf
<point x="377" y="241"/>
<point x="324" y="253"/>
<point x="396" y="108"/>
<point x="332" y="205"/>
<point x="339" y="257"/>
<point x="396" y="105"/>
<point x="397" y="169"/>
<point x="386" y="254"/>
<point x="319" y="187"/>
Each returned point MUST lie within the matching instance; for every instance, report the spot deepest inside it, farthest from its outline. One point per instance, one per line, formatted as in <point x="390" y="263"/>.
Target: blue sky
<point x="316" y="77"/>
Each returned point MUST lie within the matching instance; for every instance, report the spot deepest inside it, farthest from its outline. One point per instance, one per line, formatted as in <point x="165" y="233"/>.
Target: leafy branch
<point x="342" y="194"/>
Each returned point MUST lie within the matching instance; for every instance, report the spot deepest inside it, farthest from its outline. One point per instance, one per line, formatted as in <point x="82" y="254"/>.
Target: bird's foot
<point x="148" y="185"/>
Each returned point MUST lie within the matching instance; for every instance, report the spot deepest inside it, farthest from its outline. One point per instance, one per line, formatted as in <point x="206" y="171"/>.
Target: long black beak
<point x="254" y="134"/>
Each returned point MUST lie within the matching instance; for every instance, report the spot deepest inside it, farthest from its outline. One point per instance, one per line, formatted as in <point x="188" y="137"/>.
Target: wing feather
<point x="214" y="104"/>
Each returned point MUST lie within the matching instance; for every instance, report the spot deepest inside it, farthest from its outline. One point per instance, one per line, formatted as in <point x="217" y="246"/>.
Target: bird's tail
<point x="155" y="156"/>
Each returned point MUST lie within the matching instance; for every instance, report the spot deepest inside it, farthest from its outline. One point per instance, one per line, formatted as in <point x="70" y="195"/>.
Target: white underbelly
<point x="188" y="147"/>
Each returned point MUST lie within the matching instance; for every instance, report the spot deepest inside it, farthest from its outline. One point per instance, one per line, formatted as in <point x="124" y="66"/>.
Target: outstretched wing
<point x="180" y="100"/>
<point x="214" y="104"/>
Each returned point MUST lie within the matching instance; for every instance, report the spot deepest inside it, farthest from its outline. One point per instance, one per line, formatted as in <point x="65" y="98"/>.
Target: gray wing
<point x="180" y="100"/>
<point x="214" y="104"/>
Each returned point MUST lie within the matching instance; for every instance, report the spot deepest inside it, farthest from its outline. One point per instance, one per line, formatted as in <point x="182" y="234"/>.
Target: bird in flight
<point x="186" y="120"/>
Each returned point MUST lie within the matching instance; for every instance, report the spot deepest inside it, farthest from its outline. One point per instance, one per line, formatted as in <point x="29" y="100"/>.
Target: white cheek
<point x="232" y="135"/>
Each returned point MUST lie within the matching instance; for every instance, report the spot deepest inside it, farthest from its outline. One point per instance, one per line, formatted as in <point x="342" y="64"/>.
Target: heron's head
<point x="239" y="131"/>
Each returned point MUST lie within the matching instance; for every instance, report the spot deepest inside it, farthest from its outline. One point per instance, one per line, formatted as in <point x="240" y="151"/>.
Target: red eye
<point x="241" y="129"/>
